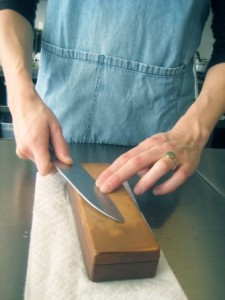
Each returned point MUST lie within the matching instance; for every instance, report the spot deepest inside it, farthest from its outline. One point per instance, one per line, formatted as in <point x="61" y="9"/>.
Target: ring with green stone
<point x="171" y="155"/>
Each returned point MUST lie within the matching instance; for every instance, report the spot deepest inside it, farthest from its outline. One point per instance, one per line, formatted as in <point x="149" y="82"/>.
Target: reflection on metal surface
<point x="212" y="169"/>
<point x="17" y="179"/>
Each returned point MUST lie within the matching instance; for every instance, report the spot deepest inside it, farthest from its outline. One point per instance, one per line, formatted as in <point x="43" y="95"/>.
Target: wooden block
<point x="114" y="250"/>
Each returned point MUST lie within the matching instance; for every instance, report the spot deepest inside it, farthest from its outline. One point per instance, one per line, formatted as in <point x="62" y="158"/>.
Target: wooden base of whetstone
<point x="114" y="250"/>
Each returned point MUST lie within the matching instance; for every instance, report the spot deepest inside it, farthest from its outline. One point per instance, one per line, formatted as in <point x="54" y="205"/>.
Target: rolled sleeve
<point x="218" y="28"/>
<point x="27" y="8"/>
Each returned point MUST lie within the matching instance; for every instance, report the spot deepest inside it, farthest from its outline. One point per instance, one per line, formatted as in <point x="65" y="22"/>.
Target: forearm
<point x="205" y="112"/>
<point x="211" y="100"/>
<point x="16" y="38"/>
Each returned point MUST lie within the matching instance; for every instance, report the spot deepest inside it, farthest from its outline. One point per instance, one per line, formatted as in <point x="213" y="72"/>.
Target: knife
<point x="84" y="184"/>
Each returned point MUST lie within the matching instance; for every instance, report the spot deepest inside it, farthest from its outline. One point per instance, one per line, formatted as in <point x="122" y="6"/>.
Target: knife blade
<point x="84" y="184"/>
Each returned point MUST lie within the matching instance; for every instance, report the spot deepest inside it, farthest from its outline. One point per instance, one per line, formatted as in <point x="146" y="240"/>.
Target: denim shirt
<point x="119" y="71"/>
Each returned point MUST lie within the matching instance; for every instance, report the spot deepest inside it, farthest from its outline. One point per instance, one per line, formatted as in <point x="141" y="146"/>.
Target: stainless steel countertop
<point x="16" y="201"/>
<point x="212" y="169"/>
<point x="189" y="225"/>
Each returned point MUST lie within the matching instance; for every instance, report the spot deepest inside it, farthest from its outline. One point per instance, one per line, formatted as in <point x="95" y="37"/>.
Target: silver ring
<point x="171" y="155"/>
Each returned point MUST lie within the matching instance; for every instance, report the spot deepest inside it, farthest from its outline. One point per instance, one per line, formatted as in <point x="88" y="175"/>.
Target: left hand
<point x="149" y="160"/>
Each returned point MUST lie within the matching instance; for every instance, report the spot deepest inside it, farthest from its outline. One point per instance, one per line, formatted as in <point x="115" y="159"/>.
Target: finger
<point x="43" y="160"/>
<point x="142" y="172"/>
<point x="121" y="160"/>
<point x="59" y="144"/>
<point x="144" y="146"/>
<point x="131" y="167"/>
<point x="24" y="153"/>
<point x="21" y="154"/>
<point x="159" y="169"/>
<point x="44" y="165"/>
<point x="171" y="184"/>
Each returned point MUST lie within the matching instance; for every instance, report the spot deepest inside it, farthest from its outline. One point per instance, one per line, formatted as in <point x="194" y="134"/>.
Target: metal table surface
<point x="17" y="179"/>
<point x="189" y="225"/>
<point x="212" y="169"/>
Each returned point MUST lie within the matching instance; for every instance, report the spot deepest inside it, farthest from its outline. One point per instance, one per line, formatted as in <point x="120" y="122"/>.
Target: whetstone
<point x="114" y="250"/>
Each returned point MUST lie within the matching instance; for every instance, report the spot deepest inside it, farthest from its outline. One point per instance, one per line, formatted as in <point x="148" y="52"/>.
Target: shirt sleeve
<point x="27" y="8"/>
<point x="218" y="28"/>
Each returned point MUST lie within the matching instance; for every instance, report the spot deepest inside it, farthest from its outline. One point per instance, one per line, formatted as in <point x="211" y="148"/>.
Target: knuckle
<point x="166" y="164"/>
<point x="21" y="152"/>
<point x="124" y="157"/>
<point x="20" y="155"/>
<point x="56" y="127"/>
<point x="147" y="142"/>
<point x="136" y="162"/>
<point x="155" y="138"/>
<point x="168" y="146"/>
<point x="158" y="138"/>
<point x="115" y="179"/>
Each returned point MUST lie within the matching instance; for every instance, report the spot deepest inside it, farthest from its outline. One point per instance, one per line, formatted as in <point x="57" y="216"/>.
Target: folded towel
<point x="56" y="270"/>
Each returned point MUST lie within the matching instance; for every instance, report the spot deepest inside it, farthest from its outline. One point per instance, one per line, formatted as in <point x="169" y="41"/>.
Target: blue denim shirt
<point x="119" y="71"/>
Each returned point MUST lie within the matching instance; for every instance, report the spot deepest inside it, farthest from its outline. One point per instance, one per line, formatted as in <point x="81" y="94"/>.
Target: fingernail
<point x="137" y="190"/>
<point x="99" y="181"/>
<point x="105" y="187"/>
<point x="69" y="159"/>
<point x="156" y="191"/>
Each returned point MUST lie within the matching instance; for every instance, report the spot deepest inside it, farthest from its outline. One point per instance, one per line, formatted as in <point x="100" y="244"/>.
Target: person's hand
<point x="35" y="128"/>
<point x="150" y="160"/>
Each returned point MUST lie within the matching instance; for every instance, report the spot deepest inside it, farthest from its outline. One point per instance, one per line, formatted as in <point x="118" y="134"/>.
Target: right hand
<point x="35" y="127"/>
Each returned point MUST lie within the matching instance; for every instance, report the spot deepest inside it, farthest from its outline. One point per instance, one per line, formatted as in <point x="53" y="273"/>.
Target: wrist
<point x="193" y="127"/>
<point x="20" y="89"/>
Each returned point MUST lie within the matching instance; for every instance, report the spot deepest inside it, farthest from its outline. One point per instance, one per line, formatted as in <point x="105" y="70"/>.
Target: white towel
<point x="56" y="270"/>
